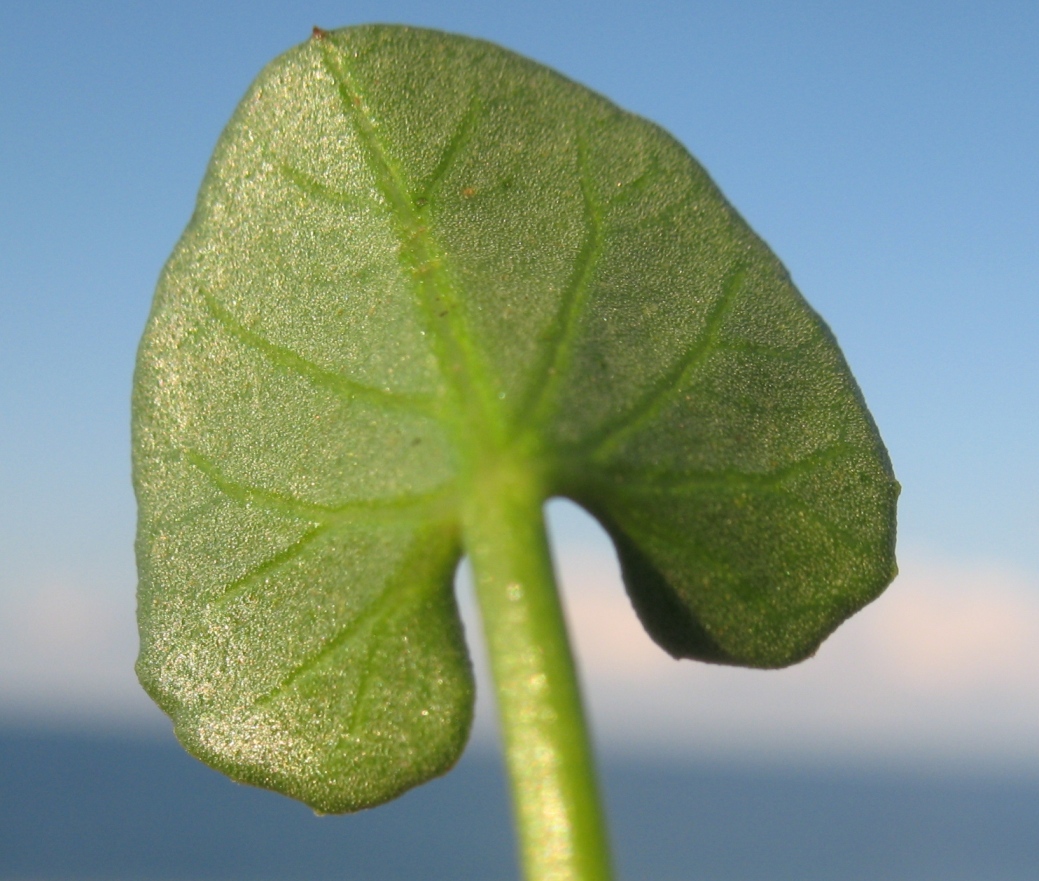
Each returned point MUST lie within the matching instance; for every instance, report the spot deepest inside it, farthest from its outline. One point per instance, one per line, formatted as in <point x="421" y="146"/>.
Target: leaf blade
<point x="415" y="255"/>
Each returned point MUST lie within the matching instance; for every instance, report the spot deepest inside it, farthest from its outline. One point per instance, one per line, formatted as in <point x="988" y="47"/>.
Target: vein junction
<point x="475" y="413"/>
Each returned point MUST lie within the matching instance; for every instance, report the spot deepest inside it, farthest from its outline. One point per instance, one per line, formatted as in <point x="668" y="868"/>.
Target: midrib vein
<point x="460" y="363"/>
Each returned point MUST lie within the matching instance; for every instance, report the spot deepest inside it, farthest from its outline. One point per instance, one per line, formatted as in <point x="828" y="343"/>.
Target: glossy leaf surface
<point x="415" y="256"/>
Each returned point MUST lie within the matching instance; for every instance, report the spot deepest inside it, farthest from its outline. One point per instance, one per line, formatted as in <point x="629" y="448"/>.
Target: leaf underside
<point x="415" y="252"/>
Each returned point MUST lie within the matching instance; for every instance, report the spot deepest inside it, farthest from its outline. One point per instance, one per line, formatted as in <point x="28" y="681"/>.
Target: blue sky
<point x="886" y="151"/>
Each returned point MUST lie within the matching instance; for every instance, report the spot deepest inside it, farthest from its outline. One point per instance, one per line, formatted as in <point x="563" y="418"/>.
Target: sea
<point x="93" y="808"/>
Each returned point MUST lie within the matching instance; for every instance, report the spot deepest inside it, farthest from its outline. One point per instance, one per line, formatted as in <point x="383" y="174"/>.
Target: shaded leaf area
<point x="414" y="254"/>
<point x="749" y="569"/>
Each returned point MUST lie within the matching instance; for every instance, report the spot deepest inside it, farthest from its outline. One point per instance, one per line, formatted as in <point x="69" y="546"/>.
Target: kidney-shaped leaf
<point x="413" y="253"/>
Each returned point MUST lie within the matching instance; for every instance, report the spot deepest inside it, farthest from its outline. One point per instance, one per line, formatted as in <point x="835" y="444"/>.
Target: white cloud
<point x="67" y="649"/>
<point x="944" y="667"/>
<point x="949" y="631"/>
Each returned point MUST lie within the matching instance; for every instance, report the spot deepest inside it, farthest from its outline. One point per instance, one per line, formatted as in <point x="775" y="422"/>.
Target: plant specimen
<point x="428" y="285"/>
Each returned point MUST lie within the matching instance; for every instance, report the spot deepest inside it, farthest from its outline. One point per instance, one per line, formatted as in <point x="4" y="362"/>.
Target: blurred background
<point x="888" y="154"/>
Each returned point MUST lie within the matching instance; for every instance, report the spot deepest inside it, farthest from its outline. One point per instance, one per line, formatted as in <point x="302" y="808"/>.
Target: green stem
<point x="560" y="826"/>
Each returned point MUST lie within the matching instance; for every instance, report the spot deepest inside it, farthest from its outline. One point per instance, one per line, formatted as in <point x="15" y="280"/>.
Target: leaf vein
<point x="370" y="614"/>
<point x="455" y="149"/>
<point x="250" y="495"/>
<point x="550" y="372"/>
<point x="235" y="587"/>
<point x="770" y="481"/>
<point x="434" y="288"/>
<point x="415" y="506"/>
<point x="363" y="686"/>
<point x="678" y="482"/>
<point x="656" y="398"/>
<point x="315" y="189"/>
<point x="288" y="360"/>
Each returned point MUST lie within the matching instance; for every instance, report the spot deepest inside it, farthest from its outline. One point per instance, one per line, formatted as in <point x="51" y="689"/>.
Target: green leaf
<point x="416" y="258"/>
